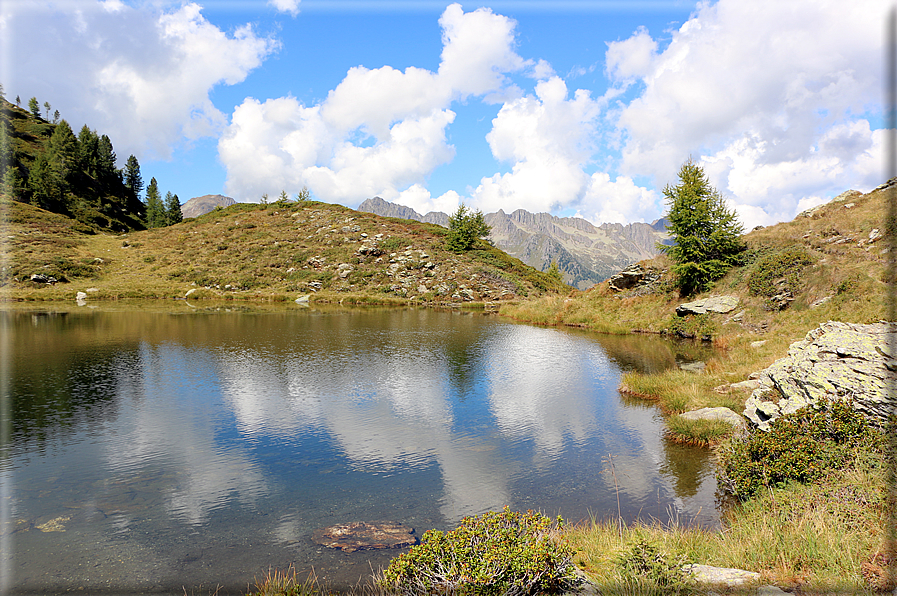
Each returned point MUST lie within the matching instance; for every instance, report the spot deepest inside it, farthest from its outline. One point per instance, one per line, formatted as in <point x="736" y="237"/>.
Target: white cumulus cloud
<point x="141" y="75"/>
<point x="770" y="97"/>
<point x="380" y="131"/>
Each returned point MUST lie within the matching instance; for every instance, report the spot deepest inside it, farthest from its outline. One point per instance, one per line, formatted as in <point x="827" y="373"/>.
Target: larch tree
<point x="706" y="234"/>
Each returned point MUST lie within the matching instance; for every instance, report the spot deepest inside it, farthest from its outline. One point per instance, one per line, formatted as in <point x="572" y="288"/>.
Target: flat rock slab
<point x="717" y="304"/>
<point x="364" y="535"/>
<point x="720" y="413"/>
<point x="707" y="574"/>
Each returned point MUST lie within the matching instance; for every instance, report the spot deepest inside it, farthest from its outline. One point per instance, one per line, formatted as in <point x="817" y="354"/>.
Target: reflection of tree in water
<point x="463" y="353"/>
<point x="60" y="377"/>
<point x="686" y="466"/>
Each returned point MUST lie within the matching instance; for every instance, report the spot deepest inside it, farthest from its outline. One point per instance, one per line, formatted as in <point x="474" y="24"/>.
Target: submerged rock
<point x="365" y="535"/>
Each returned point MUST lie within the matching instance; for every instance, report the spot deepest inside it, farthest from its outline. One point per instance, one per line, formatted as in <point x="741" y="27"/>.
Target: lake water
<point x="189" y="448"/>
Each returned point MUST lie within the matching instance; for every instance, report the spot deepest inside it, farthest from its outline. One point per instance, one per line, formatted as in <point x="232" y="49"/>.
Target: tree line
<point x="44" y="163"/>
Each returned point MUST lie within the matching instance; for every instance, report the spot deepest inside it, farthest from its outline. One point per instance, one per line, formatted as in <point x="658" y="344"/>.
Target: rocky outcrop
<point x="355" y="536"/>
<point x="632" y="277"/>
<point x="715" y="304"/>
<point x="201" y="205"/>
<point x="586" y="254"/>
<point x="835" y="361"/>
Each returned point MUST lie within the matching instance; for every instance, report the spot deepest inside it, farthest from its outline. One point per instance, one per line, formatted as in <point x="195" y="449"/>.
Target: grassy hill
<point x="259" y="252"/>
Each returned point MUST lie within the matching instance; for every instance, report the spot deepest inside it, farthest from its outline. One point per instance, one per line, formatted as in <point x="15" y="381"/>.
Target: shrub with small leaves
<point x="799" y="447"/>
<point x="777" y="266"/>
<point x="506" y="552"/>
<point x="644" y="562"/>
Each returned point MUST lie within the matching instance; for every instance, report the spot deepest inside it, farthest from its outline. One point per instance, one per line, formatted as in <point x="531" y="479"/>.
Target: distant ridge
<point x="201" y="205"/>
<point x="585" y="253"/>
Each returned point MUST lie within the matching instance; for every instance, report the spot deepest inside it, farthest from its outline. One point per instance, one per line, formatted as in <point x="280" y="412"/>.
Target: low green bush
<point x="799" y="447"/>
<point x="692" y="326"/>
<point x="770" y="269"/>
<point x="504" y="552"/>
<point x="643" y="563"/>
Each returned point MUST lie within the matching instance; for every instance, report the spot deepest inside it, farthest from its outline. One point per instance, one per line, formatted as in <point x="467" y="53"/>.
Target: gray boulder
<point x="835" y="361"/>
<point x="716" y="304"/>
<point x="725" y="576"/>
<point x="724" y="414"/>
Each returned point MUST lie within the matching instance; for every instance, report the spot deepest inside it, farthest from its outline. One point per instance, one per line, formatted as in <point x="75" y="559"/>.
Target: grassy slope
<point x="256" y="252"/>
<point x="94" y="207"/>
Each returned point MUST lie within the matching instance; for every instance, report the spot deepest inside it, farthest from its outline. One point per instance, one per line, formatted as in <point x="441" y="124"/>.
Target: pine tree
<point x="173" y="213"/>
<point x="155" y="210"/>
<point x="34" y="107"/>
<point x="133" y="181"/>
<point x="48" y="108"/>
<point x="706" y="235"/>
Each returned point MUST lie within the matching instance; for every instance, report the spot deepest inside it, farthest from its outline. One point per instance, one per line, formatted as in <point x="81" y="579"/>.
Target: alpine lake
<point x="186" y="448"/>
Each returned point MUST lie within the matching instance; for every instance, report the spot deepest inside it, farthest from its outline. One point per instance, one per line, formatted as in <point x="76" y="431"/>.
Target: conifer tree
<point x="44" y="184"/>
<point x="465" y="227"/>
<point x="48" y="108"/>
<point x="706" y="235"/>
<point x="155" y="210"/>
<point x="173" y="213"/>
<point x="106" y="171"/>
<point x="133" y="180"/>
<point x="88" y="149"/>
<point x="63" y="150"/>
<point x="34" y="107"/>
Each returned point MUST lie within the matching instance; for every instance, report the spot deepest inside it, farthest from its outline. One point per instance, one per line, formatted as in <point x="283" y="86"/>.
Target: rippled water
<point x="197" y="448"/>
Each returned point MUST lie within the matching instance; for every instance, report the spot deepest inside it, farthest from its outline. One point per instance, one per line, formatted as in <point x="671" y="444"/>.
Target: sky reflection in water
<point x="177" y="434"/>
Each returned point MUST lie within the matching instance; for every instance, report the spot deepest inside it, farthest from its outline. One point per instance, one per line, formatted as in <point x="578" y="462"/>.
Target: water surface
<point x="195" y="448"/>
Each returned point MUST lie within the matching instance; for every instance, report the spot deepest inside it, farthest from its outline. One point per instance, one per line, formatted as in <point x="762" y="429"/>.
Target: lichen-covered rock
<point x="717" y="304"/>
<point x="835" y="361"/>
<point x="355" y="536"/>
<point x="707" y="574"/>
<point x="723" y="414"/>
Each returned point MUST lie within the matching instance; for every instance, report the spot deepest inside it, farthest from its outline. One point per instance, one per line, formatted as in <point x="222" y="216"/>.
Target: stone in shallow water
<point x="364" y="535"/>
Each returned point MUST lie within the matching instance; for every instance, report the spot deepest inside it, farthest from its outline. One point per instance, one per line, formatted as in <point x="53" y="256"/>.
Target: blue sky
<point x="576" y="107"/>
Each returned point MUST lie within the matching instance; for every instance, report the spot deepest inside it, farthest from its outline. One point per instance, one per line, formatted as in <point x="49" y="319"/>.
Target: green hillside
<point x="49" y="165"/>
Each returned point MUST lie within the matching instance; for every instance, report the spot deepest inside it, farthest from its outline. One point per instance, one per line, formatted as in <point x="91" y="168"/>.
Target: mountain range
<point x="586" y="254"/>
